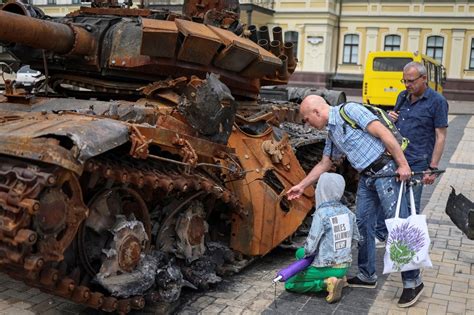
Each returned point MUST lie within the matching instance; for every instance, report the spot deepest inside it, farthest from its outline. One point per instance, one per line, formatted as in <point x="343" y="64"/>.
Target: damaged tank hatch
<point x="144" y="161"/>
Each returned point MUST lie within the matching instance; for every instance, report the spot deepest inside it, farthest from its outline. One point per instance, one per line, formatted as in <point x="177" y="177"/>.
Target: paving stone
<point x="188" y="311"/>
<point x="213" y="308"/>
<point x="285" y="307"/>
<point x="378" y="310"/>
<point x="436" y="280"/>
<point x="417" y="311"/>
<point x="70" y="307"/>
<point x="442" y="289"/>
<point x="427" y="291"/>
<point x="231" y="310"/>
<point x="448" y="298"/>
<point x="422" y="304"/>
<point x="435" y="309"/>
<point x="458" y="308"/>
<point x="39" y="298"/>
<point x="434" y="300"/>
<point x="16" y="311"/>
<point x="436" y="257"/>
<point x="259" y="305"/>
<point x="45" y="306"/>
<point x="52" y="312"/>
<point x="470" y="304"/>
<point x="4" y="305"/>
<point x="460" y="286"/>
<point x="23" y="305"/>
<point x="204" y="301"/>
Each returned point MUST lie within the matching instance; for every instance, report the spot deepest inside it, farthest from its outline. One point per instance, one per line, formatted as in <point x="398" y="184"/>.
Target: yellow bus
<point x="384" y="72"/>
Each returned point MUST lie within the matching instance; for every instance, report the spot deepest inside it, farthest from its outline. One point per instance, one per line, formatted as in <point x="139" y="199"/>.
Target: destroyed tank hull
<point x="176" y="182"/>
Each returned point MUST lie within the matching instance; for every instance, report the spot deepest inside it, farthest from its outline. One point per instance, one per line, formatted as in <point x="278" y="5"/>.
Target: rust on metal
<point x="159" y="38"/>
<point x="145" y="160"/>
<point x="200" y="44"/>
<point x="237" y="55"/>
<point x="197" y="9"/>
<point x="112" y="11"/>
<point x="68" y="39"/>
<point x="271" y="216"/>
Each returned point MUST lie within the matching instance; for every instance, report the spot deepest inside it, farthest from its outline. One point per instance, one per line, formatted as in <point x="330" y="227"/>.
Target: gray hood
<point x="330" y="187"/>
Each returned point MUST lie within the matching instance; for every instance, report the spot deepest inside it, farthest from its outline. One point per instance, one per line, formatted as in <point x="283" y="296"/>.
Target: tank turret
<point x="141" y="45"/>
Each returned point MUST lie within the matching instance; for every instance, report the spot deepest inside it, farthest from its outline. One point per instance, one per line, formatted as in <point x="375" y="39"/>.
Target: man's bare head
<point x="315" y="111"/>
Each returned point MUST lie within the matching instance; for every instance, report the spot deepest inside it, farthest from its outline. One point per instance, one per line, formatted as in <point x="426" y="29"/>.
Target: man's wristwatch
<point x="432" y="168"/>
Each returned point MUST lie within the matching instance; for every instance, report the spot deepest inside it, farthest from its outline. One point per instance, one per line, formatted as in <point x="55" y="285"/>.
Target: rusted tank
<point x="144" y="162"/>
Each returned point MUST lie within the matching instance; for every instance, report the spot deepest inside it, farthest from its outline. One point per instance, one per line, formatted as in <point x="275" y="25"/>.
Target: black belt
<point x="377" y="165"/>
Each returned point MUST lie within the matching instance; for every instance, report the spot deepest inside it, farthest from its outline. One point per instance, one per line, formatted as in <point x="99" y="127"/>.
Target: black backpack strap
<point x="403" y="95"/>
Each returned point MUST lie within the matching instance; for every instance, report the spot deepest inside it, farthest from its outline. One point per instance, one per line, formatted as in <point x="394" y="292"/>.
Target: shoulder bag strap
<point x="399" y="201"/>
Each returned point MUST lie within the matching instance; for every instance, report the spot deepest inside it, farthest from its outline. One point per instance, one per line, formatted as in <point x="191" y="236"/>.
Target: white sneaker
<point x="379" y="243"/>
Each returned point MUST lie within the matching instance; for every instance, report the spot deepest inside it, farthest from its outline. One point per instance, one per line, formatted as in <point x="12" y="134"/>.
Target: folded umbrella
<point x="293" y="269"/>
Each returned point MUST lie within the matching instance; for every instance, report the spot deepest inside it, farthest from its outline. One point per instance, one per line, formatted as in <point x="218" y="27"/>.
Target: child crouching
<point x="329" y="241"/>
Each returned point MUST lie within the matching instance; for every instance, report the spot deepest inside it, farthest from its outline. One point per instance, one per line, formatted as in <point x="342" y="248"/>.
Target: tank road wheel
<point x="116" y="232"/>
<point x="183" y="233"/>
<point x="59" y="217"/>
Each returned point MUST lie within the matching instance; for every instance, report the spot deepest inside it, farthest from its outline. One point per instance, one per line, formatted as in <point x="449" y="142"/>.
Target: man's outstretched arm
<point x="323" y="166"/>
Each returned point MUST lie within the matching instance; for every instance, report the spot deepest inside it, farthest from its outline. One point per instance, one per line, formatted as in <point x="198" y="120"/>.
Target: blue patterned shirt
<point x="360" y="147"/>
<point x="418" y="122"/>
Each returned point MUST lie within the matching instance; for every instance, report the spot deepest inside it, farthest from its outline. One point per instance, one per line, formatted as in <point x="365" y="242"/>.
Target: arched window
<point x="292" y="37"/>
<point x="434" y="47"/>
<point x="392" y="43"/>
<point x="351" y="49"/>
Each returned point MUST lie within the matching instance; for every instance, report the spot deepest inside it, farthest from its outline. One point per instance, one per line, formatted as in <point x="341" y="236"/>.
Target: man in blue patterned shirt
<point x="421" y="115"/>
<point x="371" y="150"/>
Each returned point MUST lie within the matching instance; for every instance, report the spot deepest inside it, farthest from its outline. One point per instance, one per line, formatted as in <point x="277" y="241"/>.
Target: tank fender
<point x="80" y="137"/>
<point x="94" y="137"/>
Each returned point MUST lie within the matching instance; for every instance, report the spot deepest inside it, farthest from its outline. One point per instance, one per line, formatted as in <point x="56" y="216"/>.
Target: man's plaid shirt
<point x="360" y="147"/>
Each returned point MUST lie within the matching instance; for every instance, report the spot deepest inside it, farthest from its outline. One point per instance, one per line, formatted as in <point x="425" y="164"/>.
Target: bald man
<point x="371" y="150"/>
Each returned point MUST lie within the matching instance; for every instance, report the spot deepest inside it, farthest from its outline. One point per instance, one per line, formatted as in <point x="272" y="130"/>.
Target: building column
<point x="414" y="40"/>
<point x="371" y="41"/>
<point x="455" y="67"/>
<point x="317" y="48"/>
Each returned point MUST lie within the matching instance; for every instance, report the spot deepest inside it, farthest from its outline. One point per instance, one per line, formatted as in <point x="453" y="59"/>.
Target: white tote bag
<point x="408" y="241"/>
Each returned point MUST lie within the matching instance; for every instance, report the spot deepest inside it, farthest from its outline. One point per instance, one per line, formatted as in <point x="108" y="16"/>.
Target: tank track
<point x="37" y="240"/>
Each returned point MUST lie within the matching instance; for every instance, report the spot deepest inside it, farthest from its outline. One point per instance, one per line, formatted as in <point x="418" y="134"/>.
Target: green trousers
<point x="312" y="278"/>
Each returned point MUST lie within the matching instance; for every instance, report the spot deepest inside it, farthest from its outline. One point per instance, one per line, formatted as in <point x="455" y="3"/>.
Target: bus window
<point x="438" y="75"/>
<point x="443" y="75"/>
<point x="432" y="73"/>
<point x="390" y="63"/>
<point x="428" y="66"/>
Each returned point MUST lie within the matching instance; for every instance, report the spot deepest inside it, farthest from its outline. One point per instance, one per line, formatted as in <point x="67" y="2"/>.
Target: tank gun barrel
<point x="52" y="36"/>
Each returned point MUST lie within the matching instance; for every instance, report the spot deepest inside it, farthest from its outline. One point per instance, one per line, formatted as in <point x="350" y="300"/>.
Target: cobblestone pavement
<point x="449" y="285"/>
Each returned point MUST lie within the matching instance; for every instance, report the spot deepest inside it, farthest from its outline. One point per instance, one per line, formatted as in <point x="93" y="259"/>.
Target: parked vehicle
<point x="384" y="72"/>
<point x="27" y="76"/>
